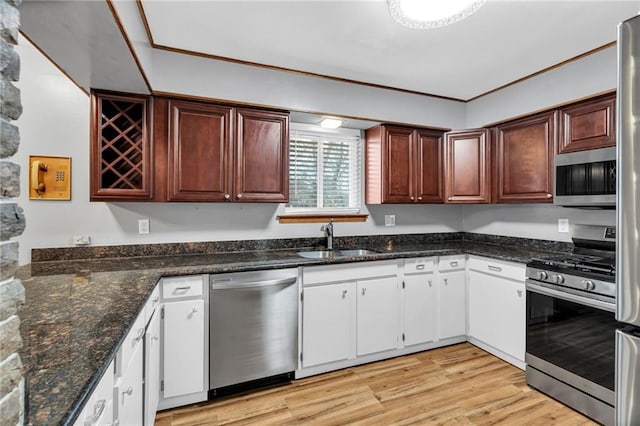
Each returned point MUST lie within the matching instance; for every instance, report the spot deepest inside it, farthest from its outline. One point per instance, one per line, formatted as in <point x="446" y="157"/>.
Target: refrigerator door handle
<point x="627" y="378"/>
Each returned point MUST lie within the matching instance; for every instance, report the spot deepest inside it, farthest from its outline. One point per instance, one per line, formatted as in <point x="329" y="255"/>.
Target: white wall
<point x="530" y="220"/>
<point x="56" y="122"/>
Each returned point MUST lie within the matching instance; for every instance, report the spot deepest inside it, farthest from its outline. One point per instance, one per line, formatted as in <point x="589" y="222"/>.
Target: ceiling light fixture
<point x="423" y="14"/>
<point x="331" y="123"/>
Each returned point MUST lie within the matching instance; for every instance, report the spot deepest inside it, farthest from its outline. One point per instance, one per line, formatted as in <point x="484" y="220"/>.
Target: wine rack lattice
<point x="122" y="144"/>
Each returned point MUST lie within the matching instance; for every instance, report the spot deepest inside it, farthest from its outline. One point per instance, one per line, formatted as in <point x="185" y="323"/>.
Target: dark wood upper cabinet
<point x="262" y="156"/>
<point x="199" y="157"/>
<point x="587" y="125"/>
<point x="523" y="161"/>
<point x="121" y="146"/>
<point x="467" y="173"/>
<point x="403" y="165"/>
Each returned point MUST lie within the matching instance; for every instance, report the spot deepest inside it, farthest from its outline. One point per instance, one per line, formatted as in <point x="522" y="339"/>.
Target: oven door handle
<point x="597" y="304"/>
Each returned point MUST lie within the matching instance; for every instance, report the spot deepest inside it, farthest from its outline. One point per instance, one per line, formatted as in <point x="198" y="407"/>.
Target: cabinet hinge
<point x="300" y="356"/>
<point x="403" y="337"/>
<point x="162" y="385"/>
<point x="403" y="284"/>
<point x="162" y="313"/>
<point x="302" y="296"/>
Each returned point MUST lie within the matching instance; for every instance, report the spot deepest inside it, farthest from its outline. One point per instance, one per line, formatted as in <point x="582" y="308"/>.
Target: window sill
<point x="322" y="218"/>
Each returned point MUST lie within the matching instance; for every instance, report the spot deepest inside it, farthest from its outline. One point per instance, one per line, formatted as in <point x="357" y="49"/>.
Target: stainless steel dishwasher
<point x="253" y="328"/>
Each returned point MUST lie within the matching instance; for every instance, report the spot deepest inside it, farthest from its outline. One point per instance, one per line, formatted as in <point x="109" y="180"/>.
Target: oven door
<point x="572" y="338"/>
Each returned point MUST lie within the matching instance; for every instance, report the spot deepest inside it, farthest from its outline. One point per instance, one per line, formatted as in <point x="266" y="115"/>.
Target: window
<point x="324" y="170"/>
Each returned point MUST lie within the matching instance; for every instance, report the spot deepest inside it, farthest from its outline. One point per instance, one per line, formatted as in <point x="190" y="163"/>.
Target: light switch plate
<point x="563" y="225"/>
<point x="389" y="220"/>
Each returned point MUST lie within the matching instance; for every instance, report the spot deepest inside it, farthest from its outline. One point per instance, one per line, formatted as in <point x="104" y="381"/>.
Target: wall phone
<point x="49" y="178"/>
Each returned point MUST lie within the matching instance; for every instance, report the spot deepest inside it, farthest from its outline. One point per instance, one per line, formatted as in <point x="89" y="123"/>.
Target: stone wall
<point x="12" y="221"/>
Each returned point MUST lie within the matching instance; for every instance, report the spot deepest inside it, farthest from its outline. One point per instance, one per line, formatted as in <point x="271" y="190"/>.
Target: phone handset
<point x="38" y="168"/>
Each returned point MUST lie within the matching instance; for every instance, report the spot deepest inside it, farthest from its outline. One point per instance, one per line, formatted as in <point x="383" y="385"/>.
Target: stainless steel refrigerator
<point x="628" y="225"/>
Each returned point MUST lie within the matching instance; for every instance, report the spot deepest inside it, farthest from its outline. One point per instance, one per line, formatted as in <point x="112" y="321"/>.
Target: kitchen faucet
<point x="328" y="232"/>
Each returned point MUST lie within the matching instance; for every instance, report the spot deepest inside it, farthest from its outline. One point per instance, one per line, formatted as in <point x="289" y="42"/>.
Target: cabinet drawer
<point x="451" y="263"/>
<point x="178" y="287"/>
<point x="99" y="407"/>
<point x="514" y="271"/>
<point x="419" y="265"/>
<point x="130" y="344"/>
<point x="348" y="272"/>
<point x="152" y="304"/>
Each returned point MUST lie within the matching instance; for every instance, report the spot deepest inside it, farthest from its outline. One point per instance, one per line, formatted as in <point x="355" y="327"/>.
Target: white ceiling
<point x="357" y="40"/>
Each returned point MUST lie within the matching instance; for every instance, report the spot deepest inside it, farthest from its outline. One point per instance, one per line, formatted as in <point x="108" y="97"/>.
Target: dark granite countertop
<point x="78" y="311"/>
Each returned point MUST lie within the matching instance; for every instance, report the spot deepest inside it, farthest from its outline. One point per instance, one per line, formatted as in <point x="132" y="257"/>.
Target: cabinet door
<point x="429" y="167"/>
<point x="121" y="160"/>
<point x="467" y="177"/>
<point x="398" y="167"/>
<point x="183" y="348"/>
<point x="588" y="125"/>
<point x="419" y="309"/>
<point x="262" y="156"/>
<point x="328" y="323"/>
<point x="524" y="160"/>
<point x="452" y="307"/>
<point x="127" y="392"/>
<point x="378" y="326"/>
<point x="199" y="152"/>
<point x="152" y="369"/>
<point x="497" y="313"/>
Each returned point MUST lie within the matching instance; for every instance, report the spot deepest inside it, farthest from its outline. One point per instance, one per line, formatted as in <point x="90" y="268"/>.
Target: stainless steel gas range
<point x="571" y="325"/>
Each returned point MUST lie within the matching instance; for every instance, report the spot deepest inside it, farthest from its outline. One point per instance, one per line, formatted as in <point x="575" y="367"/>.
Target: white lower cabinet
<point x="183" y="348"/>
<point x="452" y="297"/>
<point x="329" y="323"/>
<point x="128" y="393"/>
<point x="152" y="369"/>
<point x="99" y="409"/>
<point x="419" y="302"/>
<point x="377" y="315"/>
<point x="497" y="307"/>
<point x="184" y="361"/>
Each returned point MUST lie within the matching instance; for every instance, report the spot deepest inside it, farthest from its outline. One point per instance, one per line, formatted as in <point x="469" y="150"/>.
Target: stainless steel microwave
<point x="586" y="178"/>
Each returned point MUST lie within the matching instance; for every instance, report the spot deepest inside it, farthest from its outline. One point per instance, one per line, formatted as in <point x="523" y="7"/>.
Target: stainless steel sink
<point x="332" y="254"/>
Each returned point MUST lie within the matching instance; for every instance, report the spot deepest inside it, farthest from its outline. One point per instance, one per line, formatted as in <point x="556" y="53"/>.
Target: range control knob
<point x="542" y="275"/>
<point x="588" y="285"/>
<point x="558" y="279"/>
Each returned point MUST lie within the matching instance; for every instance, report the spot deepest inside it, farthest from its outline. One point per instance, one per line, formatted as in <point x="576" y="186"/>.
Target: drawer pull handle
<point x="187" y="288"/>
<point x="495" y="268"/>
<point x="419" y="267"/>
<point x="129" y="392"/>
<point x="454" y="263"/>
<point x="98" y="408"/>
<point x="140" y="335"/>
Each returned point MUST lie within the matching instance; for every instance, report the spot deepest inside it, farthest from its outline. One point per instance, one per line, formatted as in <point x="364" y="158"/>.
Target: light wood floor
<point x="456" y="385"/>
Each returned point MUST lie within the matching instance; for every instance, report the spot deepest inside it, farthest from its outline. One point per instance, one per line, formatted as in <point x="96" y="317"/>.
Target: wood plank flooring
<point x="456" y="385"/>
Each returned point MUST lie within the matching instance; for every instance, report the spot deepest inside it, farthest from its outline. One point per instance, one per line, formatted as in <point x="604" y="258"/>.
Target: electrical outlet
<point x="81" y="240"/>
<point x="389" y="220"/>
<point x="143" y="226"/>
<point x="563" y="225"/>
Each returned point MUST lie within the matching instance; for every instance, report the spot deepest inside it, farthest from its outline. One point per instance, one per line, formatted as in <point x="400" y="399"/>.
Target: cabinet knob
<point x="129" y="392"/>
<point x="549" y="195"/>
<point x="193" y="311"/>
<point x="239" y="196"/>
<point x="446" y="281"/>
<point x="419" y="198"/>
<point x="227" y="196"/>
<point x="411" y="198"/>
<point x="364" y="290"/>
<point x="344" y="293"/>
<point x="519" y="293"/>
<point x="429" y="283"/>
<point x="140" y="335"/>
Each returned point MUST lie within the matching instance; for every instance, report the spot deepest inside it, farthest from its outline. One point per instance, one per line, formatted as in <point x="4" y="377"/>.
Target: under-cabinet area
<point x="347" y="314"/>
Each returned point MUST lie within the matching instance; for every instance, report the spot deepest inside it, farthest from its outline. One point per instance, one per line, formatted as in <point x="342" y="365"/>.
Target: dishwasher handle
<point x="253" y="284"/>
